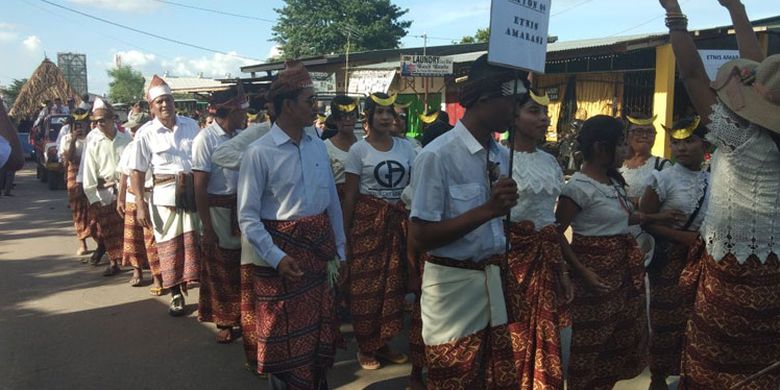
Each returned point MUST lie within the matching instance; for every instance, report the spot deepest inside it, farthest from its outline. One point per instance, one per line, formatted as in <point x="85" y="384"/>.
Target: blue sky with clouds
<point x="30" y="28"/>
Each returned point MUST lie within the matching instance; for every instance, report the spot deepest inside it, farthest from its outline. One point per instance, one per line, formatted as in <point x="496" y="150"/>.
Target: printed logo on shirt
<point x="389" y="173"/>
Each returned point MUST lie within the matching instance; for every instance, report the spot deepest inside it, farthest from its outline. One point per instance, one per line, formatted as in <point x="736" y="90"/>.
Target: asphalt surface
<point x="65" y="326"/>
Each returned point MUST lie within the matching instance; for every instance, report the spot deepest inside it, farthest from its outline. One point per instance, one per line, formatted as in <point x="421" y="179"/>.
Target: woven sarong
<point x="151" y="252"/>
<point x="247" y="305"/>
<point x="177" y="247"/>
<point x="454" y="302"/>
<point x="535" y="318"/>
<point x="376" y="272"/>
<point x="297" y="329"/>
<point x="416" y="343"/>
<point x="79" y="205"/>
<point x="734" y="330"/>
<point x="134" y="248"/>
<point x="609" y="331"/>
<point x="110" y="230"/>
<point x="669" y="311"/>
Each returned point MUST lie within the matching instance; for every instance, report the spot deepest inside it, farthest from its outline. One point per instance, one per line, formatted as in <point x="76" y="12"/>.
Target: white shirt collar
<point x="280" y="137"/>
<point x="468" y="139"/>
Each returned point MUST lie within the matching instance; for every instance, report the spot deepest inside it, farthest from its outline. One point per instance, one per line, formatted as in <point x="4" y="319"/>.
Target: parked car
<point x="27" y="148"/>
<point x="49" y="169"/>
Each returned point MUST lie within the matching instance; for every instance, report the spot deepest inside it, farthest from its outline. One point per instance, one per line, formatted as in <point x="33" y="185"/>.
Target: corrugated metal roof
<point x="598" y="42"/>
<point x="190" y="84"/>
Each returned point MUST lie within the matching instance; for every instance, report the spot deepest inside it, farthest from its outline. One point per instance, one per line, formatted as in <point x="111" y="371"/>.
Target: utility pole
<point x="346" y="69"/>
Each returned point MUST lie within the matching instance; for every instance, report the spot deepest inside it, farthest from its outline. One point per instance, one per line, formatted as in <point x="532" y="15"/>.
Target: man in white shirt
<point x="100" y="181"/>
<point x="290" y="213"/>
<point x="215" y="196"/>
<point x="460" y="193"/>
<point x="164" y="145"/>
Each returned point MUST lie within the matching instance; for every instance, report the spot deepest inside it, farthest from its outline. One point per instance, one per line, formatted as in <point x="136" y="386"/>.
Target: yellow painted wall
<point x="663" y="98"/>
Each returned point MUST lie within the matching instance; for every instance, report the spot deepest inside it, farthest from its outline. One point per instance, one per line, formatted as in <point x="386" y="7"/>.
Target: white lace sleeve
<point x="728" y="131"/>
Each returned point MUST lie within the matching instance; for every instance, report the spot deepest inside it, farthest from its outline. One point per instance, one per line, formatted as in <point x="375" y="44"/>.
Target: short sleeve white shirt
<point x="338" y="158"/>
<point x="222" y="181"/>
<point x="604" y="209"/>
<point x="382" y="174"/>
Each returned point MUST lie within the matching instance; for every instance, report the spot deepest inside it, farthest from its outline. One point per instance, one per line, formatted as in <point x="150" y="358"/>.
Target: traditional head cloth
<point x="157" y="88"/>
<point x="344" y="108"/>
<point x="234" y="99"/>
<point x="752" y="90"/>
<point x="101" y="109"/>
<point x="487" y="81"/>
<point x="542" y="100"/>
<point x="293" y="78"/>
<point x="136" y="120"/>
<point x="384" y="102"/>
<point x="686" y="127"/>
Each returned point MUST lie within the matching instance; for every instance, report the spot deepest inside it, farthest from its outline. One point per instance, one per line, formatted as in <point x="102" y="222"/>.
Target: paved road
<point x="64" y="326"/>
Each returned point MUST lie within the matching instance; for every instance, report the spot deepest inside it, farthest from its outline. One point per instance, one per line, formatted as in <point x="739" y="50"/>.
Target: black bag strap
<point x="698" y="207"/>
<point x="660" y="163"/>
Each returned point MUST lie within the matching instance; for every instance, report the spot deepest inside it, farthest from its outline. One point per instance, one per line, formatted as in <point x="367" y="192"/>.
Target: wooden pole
<point x="511" y="164"/>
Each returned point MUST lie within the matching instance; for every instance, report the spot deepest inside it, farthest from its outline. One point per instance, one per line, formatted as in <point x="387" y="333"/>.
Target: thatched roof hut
<point x="46" y="83"/>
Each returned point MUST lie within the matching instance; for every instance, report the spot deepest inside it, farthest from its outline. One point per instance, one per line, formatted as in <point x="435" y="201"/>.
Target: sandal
<point x="225" y="336"/>
<point x="156" y="291"/>
<point x="368" y="363"/>
<point x="253" y="369"/>
<point x="392" y="357"/>
<point x="82" y="252"/>
<point x="136" y="281"/>
<point x="177" y="306"/>
<point x="111" y="270"/>
<point x="96" y="258"/>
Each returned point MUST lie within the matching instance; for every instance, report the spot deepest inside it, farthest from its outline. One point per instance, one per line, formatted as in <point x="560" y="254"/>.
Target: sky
<point x="32" y="29"/>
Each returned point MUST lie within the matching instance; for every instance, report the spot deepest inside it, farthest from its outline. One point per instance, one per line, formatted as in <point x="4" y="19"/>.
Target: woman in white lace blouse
<point x="682" y="189"/>
<point x="537" y="285"/>
<point x="734" y="328"/>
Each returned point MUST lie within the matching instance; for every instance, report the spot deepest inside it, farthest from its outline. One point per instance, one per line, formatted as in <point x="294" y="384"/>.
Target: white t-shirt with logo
<point x="382" y="174"/>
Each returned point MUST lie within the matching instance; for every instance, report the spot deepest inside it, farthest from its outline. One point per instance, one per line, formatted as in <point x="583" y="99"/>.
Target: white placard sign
<point x="714" y="59"/>
<point x="518" y="33"/>
<point x="368" y="81"/>
<point x="323" y="82"/>
<point x="425" y="66"/>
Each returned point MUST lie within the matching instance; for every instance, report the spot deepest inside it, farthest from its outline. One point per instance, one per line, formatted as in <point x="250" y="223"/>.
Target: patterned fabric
<point x="532" y="293"/>
<point x="416" y="343"/>
<point x="179" y="259"/>
<point x="248" y="323"/>
<point x="669" y="311"/>
<point x="151" y="252"/>
<point x="79" y="205"/>
<point x="734" y="331"/>
<point x="376" y="271"/>
<point x="110" y="230"/>
<point x="479" y="361"/>
<point x="609" y="331"/>
<point x="134" y="248"/>
<point x="297" y="329"/>
<point x="220" y="287"/>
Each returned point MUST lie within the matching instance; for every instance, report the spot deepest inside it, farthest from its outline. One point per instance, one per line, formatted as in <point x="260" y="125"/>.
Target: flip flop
<point x="395" y="357"/>
<point x="111" y="270"/>
<point x="225" y="336"/>
<point x="136" y="281"/>
<point x="177" y="306"/>
<point x="156" y="291"/>
<point x="368" y="363"/>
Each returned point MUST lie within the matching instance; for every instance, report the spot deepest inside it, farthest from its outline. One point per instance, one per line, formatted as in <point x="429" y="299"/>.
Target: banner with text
<point x="368" y="81"/>
<point x="425" y="66"/>
<point x="714" y="59"/>
<point x="323" y="82"/>
<point x="518" y="33"/>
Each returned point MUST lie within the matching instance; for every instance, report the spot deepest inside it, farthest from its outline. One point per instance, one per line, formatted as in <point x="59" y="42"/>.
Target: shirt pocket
<point x="464" y="197"/>
<point x="164" y="154"/>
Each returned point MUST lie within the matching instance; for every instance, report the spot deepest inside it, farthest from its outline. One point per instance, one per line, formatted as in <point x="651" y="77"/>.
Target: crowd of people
<point x="284" y="233"/>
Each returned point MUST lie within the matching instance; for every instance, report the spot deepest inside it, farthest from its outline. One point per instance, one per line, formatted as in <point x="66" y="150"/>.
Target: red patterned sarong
<point x="669" y="311"/>
<point x="134" y="248"/>
<point x="110" y="230"/>
<point x="220" y="283"/>
<point x="416" y="343"/>
<point x="376" y="271"/>
<point x="79" y="205"/>
<point x="535" y="318"/>
<point x="248" y="323"/>
<point x="179" y="259"/>
<point x="151" y="252"/>
<point x="297" y="329"/>
<point x="609" y="331"/>
<point x="734" y="330"/>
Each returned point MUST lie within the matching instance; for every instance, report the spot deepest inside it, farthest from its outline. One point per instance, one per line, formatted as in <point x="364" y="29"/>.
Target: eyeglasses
<point x="100" y="121"/>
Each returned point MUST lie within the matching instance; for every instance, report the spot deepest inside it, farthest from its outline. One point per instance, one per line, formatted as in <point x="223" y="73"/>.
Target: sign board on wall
<point x="367" y="81"/>
<point x="518" y="33"/>
<point x="714" y="59"/>
<point x="425" y="66"/>
<point x="323" y="82"/>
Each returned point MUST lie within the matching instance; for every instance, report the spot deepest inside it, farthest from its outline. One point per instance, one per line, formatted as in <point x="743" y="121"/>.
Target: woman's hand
<point x="594" y="281"/>
<point x="566" y="288"/>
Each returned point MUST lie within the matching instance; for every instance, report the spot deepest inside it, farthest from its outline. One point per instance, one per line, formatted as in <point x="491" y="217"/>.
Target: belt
<point x="163" y="179"/>
<point x="465" y="264"/>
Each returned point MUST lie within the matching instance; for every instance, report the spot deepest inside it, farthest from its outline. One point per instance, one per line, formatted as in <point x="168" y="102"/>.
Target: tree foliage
<point x="317" y="27"/>
<point x="126" y="85"/>
<point x="482" y="35"/>
<point x="10" y="92"/>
